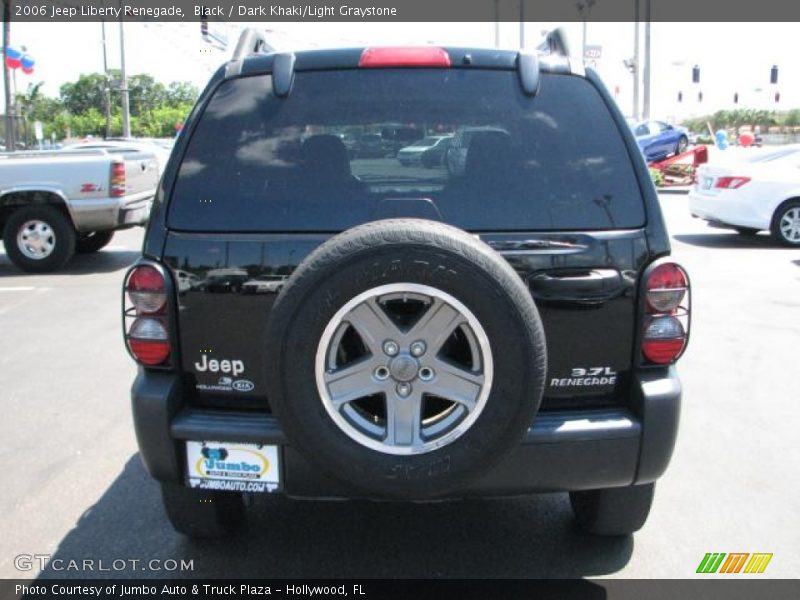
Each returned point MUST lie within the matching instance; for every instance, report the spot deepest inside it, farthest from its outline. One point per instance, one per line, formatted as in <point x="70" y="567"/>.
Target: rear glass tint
<point x="327" y="157"/>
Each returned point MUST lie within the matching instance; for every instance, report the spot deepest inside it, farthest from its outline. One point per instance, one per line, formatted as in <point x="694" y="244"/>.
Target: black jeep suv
<point x="383" y="332"/>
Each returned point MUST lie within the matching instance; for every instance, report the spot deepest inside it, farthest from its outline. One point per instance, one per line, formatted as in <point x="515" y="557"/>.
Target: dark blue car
<point x="658" y="140"/>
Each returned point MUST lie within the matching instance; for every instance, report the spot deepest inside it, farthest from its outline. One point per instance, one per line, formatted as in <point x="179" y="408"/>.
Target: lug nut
<point x="418" y="348"/>
<point x="382" y="373"/>
<point x="426" y="373"/>
<point x="403" y="389"/>
<point x="390" y="348"/>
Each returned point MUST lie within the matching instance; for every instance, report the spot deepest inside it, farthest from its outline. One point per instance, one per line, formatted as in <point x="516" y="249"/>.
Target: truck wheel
<point x="613" y="511"/>
<point x="38" y="238"/>
<point x="92" y="242"/>
<point x="202" y="513"/>
<point x="408" y="358"/>
<point x="786" y="223"/>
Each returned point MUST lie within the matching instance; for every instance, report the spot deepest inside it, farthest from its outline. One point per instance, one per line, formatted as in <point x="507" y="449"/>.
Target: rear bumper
<point x="562" y="451"/>
<point x="726" y="209"/>
<point x="102" y="214"/>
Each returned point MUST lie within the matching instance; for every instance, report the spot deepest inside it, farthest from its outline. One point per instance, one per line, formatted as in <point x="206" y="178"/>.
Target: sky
<point x="733" y="57"/>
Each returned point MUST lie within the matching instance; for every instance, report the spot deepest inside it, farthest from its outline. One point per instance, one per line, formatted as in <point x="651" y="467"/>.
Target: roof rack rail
<point x="555" y="42"/>
<point x="251" y="41"/>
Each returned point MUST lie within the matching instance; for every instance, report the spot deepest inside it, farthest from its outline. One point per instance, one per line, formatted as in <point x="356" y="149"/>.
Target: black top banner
<point x="402" y="10"/>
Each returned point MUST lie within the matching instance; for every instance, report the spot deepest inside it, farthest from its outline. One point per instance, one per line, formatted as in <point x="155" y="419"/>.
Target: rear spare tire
<point x="405" y="358"/>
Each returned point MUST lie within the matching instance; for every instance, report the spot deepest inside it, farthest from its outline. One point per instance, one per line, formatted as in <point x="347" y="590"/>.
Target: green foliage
<point x="80" y="109"/>
<point x="728" y="119"/>
<point x="180" y="93"/>
<point x="792" y="118"/>
<point x="657" y="177"/>
<point x="86" y="93"/>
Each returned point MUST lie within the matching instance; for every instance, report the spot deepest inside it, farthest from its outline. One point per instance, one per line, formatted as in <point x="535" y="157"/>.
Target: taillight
<point x="146" y="316"/>
<point x="148" y="340"/>
<point x="146" y="290"/>
<point x="731" y="183"/>
<point x="425" y="56"/>
<point x="117" y="181"/>
<point x="667" y="309"/>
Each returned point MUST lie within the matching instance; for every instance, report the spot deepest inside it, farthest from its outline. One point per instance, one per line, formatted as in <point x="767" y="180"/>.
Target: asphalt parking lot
<point x="74" y="488"/>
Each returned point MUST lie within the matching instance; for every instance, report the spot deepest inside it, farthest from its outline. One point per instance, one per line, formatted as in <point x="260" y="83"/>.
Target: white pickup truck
<point x="53" y="204"/>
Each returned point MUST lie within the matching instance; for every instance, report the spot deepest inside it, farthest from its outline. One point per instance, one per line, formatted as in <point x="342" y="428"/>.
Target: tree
<point x="181" y="93"/>
<point x="145" y="94"/>
<point x="84" y="94"/>
<point x="792" y="118"/>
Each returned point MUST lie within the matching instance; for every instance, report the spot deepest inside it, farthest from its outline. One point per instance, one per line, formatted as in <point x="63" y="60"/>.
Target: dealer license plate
<point x="231" y="466"/>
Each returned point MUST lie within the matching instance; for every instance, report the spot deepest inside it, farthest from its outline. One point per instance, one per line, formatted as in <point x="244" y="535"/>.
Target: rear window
<point x="256" y="162"/>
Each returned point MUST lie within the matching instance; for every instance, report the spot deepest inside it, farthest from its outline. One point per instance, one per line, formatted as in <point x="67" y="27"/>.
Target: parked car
<point x="428" y="152"/>
<point x="369" y="145"/>
<point x="396" y="137"/>
<point x="658" y="140"/>
<point x="56" y="203"/>
<point x="405" y="356"/>
<point x="264" y="284"/>
<point x="225" y="280"/>
<point x="187" y="281"/>
<point x="759" y="191"/>
<point x="160" y="148"/>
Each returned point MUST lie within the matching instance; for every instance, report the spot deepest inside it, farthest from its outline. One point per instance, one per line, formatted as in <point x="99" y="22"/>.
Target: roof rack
<point x="251" y="41"/>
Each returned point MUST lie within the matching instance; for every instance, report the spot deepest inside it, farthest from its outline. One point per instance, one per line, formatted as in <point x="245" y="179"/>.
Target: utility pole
<point x="496" y="23"/>
<point x="126" y="111"/>
<point x="10" y="138"/>
<point x="636" y="60"/>
<point x="106" y="84"/>
<point x="522" y="24"/>
<point x="646" y="74"/>
<point x="583" y="40"/>
<point x="585" y="10"/>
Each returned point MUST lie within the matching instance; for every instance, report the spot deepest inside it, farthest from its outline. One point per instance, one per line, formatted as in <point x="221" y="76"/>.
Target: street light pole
<point x="126" y="112"/>
<point x="106" y="86"/>
<point x="10" y="138"/>
<point x="522" y="24"/>
<point x="496" y="23"/>
<point x="583" y="43"/>
<point x="636" y="60"/>
<point x="585" y="9"/>
<point x="646" y="73"/>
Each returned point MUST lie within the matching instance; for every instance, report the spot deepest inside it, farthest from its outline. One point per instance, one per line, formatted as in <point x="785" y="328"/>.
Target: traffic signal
<point x="736" y="98"/>
<point x="699" y="96"/>
<point x="773" y="74"/>
<point x="695" y="74"/>
<point x="777" y="96"/>
<point x="680" y="96"/>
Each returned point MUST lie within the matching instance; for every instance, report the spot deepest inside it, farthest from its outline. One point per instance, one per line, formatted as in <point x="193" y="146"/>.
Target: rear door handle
<point x="594" y="284"/>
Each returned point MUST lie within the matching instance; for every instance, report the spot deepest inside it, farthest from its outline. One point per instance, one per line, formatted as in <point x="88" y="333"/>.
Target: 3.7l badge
<point x="586" y="377"/>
